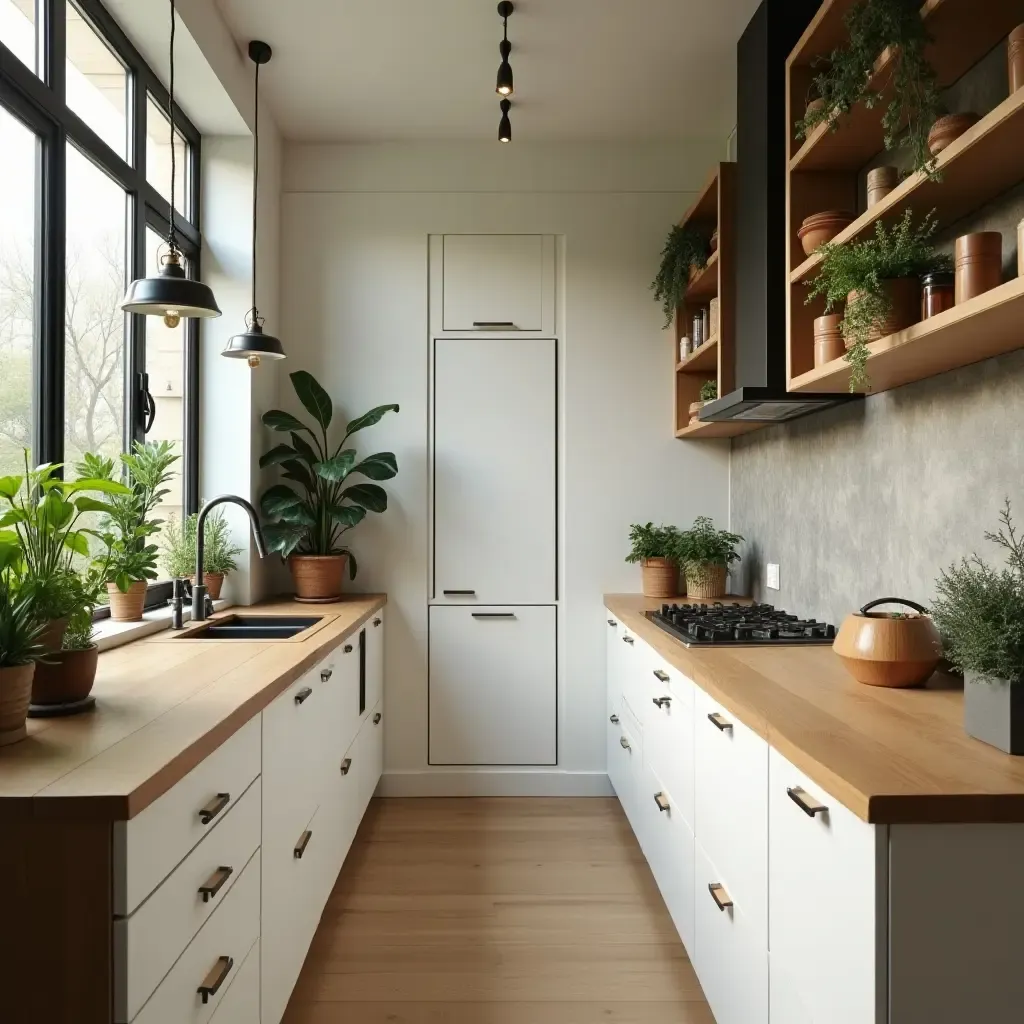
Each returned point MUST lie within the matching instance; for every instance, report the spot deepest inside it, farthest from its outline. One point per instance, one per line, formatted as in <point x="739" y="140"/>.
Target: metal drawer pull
<point x="662" y="677"/>
<point x="213" y="981"/>
<point x="628" y="640"/>
<point x="661" y="702"/>
<point x="326" y="674"/>
<point x="215" y="883"/>
<point x="493" y="323"/>
<point x="345" y="765"/>
<point x="662" y="801"/>
<point x="720" y="722"/>
<point x="624" y="743"/>
<point x="377" y="622"/>
<point x="614" y="719"/>
<point x="376" y="718"/>
<point x="303" y="694"/>
<point x="806" y="802"/>
<point x="493" y="615"/>
<point x="347" y="648"/>
<point x="300" y="846"/>
<point x="459" y="593"/>
<point x="214" y="807"/>
<point x="719" y="895"/>
<point x="612" y="622"/>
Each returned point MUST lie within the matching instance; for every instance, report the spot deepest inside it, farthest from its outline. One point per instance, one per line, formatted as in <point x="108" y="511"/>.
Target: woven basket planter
<point x="660" y="577"/>
<point x="705" y="582"/>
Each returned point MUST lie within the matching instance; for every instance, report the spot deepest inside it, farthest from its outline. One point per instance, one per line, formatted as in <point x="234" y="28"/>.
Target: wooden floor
<point x="481" y="911"/>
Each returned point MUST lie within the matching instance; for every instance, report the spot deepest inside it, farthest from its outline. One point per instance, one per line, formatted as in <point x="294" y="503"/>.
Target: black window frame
<point x="39" y="102"/>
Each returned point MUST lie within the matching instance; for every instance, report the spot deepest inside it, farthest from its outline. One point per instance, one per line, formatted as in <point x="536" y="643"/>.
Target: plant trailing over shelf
<point x="863" y="268"/>
<point x="709" y="391"/>
<point x="685" y="247"/>
<point x="652" y="541"/>
<point x="846" y="80"/>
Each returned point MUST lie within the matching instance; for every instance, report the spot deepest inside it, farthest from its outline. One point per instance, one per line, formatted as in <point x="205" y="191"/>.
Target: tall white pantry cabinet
<point x="494" y="501"/>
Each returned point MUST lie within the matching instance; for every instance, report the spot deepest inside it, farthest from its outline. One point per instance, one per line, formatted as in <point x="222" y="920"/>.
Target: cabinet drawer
<point x="212" y="957"/>
<point x="632" y="663"/>
<point x="625" y="755"/>
<point x="668" y="740"/>
<point x="147" y="943"/>
<point x="339" y="710"/>
<point x="374" y="668"/>
<point x="729" y="957"/>
<point x="147" y="848"/>
<point x="241" y="1002"/>
<point x="826" y="867"/>
<point x="731" y="806"/>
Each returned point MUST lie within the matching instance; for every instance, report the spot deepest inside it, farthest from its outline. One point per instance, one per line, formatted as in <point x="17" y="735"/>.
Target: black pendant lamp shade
<point x="505" y="85"/>
<point x="505" y="125"/>
<point x="252" y="344"/>
<point x="170" y="294"/>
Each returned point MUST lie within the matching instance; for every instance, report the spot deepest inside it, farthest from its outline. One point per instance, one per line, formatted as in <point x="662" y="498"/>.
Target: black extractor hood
<point x="762" y="277"/>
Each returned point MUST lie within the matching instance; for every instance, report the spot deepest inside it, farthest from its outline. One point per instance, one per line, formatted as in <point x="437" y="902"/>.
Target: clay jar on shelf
<point x="881" y="181"/>
<point x="828" y="339"/>
<point x="822" y="227"/>
<point x="979" y="264"/>
<point x="948" y="129"/>
<point x="905" y="295"/>
<point x="1015" y="58"/>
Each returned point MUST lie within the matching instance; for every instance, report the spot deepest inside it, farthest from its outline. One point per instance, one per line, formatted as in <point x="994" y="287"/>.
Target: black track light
<point x="505" y="85"/>
<point x="505" y="125"/>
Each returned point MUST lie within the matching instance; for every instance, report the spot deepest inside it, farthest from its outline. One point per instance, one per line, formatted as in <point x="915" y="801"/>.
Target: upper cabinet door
<point x="495" y="440"/>
<point x="498" y="283"/>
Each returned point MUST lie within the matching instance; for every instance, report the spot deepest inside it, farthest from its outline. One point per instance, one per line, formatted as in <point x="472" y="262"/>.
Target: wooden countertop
<point x="163" y="704"/>
<point x="891" y="756"/>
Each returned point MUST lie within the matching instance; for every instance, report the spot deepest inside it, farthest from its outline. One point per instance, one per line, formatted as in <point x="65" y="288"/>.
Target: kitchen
<point x="485" y="784"/>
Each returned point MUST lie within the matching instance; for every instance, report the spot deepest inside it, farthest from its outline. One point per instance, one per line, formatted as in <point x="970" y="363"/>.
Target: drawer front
<point x="625" y="756"/>
<point x="241" y="1002"/>
<point x="632" y="665"/>
<point x="613" y="660"/>
<point x="826" y="866"/>
<point x="372" y="767"/>
<point x="729" y="957"/>
<point x="731" y="806"/>
<point x="147" y="944"/>
<point x="211" y="959"/>
<point x="148" y="847"/>
<point x="340" y="711"/>
<point x="668" y="743"/>
<point x="786" y="996"/>
<point x="374" y="669"/>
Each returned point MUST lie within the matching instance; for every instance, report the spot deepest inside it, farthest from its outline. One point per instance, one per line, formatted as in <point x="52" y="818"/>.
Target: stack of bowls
<point x="823" y="227"/>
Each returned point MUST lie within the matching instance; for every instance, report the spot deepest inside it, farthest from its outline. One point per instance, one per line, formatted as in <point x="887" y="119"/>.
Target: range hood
<point x="762" y="276"/>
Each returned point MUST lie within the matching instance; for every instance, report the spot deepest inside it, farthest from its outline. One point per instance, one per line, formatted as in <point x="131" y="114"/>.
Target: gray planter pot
<point x="994" y="711"/>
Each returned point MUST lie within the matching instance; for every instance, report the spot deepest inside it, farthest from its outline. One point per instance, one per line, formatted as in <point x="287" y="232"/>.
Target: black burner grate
<point x="703" y="625"/>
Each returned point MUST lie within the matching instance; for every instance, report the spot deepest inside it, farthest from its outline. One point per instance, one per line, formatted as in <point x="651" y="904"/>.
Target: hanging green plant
<point x="846" y="79"/>
<point x="684" y="248"/>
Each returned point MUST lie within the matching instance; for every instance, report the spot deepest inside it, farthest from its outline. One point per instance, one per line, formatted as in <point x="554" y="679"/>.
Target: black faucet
<point x="199" y="595"/>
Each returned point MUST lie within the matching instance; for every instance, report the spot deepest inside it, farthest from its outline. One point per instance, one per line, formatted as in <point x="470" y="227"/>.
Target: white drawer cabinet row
<point x="219" y="885"/>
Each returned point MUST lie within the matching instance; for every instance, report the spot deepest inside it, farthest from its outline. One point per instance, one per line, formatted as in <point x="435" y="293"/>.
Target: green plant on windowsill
<point x="684" y="248"/>
<point x="179" y="548"/>
<point x="80" y="634"/>
<point x="846" y="78"/>
<point x="709" y="391"/>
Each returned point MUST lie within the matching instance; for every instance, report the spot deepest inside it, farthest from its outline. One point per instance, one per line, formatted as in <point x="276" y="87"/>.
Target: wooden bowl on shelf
<point x="820" y="228"/>
<point x="948" y="129"/>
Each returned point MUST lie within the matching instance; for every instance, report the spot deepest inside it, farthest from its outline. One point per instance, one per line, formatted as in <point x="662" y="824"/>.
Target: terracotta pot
<point x="695" y="407"/>
<point x="52" y="635"/>
<point x="15" y="695"/>
<point x="660" y="577"/>
<point x="705" y="582"/>
<point x="886" y="649"/>
<point x="1015" y="58"/>
<point x="821" y="228"/>
<point x="948" y="129"/>
<point x="881" y="181"/>
<point x="828" y="339"/>
<point x="905" y="293"/>
<point x="127" y="607"/>
<point x="979" y="264"/>
<point x="65" y="677"/>
<point x="317" y="577"/>
<point x="214" y="583"/>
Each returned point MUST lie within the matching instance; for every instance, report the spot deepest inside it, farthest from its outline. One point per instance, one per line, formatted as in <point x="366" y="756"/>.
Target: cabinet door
<point x="495" y="440"/>
<point x="497" y="282"/>
<point x="492" y="686"/>
<point x="374" y="666"/>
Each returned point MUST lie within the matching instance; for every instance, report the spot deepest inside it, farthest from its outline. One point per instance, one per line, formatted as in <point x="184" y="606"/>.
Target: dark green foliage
<point x="652" y="541"/>
<point x="709" y="391"/>
<point x="684" y="248"/>
<point x="702" y="545"/>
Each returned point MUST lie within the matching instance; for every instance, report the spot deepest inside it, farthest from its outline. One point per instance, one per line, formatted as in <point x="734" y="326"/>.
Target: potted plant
<point x="20" y="630"/>
<point x="219" y="554"/>
<point x="879" y="280"/>
<point x="65" y="678"/>
<point x="654" y="547"/>
<point x="846" y="77"/>
<point x="685" y="251"/>
<point x="308" y="517"/>
<point x="127" y="527"/>
<point x="979" y="612"/>
<point x="705" y="555"/>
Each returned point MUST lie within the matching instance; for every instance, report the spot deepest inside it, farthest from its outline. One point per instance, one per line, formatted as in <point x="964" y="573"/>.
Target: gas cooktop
<point x="736" y="625"/>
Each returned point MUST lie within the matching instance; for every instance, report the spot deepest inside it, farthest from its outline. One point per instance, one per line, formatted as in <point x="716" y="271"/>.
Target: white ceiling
<point x="585" y="70"/>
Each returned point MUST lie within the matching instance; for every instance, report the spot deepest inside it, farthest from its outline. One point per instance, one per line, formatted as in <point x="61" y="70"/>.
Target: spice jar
<point x="706" y="316"/>
<point x="881" y="181"/>
<point x="937" y="293"/>
<point x="828" y="339"/>
<point x="1015" y="58"/>
<point x="697" y="330"/>
<point x="979" y="264"/>
<point x="684" y="348"/>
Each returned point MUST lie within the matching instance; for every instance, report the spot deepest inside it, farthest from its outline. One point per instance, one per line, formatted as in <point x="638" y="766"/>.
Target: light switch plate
<point x="773" y="576"/>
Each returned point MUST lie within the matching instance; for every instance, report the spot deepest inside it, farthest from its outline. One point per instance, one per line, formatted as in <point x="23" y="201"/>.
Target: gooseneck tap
<point x="199" y="594"/>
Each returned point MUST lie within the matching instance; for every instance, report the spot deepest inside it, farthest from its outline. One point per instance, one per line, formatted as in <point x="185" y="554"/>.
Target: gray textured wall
<point x="873" y="499"/>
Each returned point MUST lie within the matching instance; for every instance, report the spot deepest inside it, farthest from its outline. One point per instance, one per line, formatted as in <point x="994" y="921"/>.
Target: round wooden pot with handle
<point x="894" y="649"/>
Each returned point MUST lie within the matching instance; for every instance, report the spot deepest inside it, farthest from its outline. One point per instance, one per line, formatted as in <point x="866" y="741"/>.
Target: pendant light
<point x="252" y="344"/>
<point x="505" y="125"/>
<point x="505" y="85"/>
<point x="170" y="294"/>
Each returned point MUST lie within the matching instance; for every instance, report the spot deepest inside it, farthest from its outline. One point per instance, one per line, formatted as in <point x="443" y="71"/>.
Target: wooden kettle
<point x="889" y="648"/>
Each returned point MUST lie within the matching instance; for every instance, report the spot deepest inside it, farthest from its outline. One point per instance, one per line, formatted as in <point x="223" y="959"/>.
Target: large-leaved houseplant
<point x="654" y="547"/>
<point x="706" y="555"/>
<point x="308" y="514"/>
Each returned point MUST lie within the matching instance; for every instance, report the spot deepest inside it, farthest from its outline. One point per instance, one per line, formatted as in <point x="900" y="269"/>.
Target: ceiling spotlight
<point x="505" y="125"/>
<point x="504" y="86"/>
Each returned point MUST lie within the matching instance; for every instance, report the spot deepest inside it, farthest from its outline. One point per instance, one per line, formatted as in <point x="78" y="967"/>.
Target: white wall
<point x="354" y="293"/>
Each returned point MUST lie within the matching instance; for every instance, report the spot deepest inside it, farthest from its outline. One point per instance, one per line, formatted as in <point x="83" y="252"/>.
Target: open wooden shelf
<point x="704" y="360"/>
<point x="986" y="326"/>
<point x="733" y="428"/>
<point x="704" y="287"/>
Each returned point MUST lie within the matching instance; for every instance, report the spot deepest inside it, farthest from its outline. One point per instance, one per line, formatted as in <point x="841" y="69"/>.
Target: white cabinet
<point x="241" y="1002"/>
<point x="498" y="282"/>
<point x="373" y="667"/>
<point x="493" y="692"/>
<point x="494" y="470"/>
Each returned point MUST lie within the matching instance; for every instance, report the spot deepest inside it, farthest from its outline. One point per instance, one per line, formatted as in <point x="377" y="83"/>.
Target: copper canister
<point x="881" y="181"/>
<point x="937" y="293"/>
<point x="979" y="264"/>
<point x="828" y="339"/>
<point x="1015" y="58"/>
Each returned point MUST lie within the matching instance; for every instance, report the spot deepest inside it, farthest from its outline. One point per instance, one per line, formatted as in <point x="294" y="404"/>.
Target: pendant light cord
<point x="172" y="240"/>
<point x="254" y="312"/>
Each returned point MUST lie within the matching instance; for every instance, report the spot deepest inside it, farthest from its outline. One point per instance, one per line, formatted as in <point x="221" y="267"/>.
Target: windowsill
<point x="108" y="634"/>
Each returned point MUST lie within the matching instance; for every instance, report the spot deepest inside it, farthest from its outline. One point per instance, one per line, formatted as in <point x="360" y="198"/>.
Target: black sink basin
<point x="252" y="627"/>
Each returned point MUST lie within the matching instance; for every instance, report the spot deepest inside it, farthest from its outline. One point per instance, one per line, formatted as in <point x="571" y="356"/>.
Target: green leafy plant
<point x="650" y="541"/>
<point x="979" y="611"/>
<point x="179" y="550"/>
<point x="20" y="625"/>
<point x="847" y="77"/>
<point x="80" y="632"/>
<point x="684" y="248"/>
<point x="863" y="267"/>
<point x="709" y="391"/>
<point x="703" y="545"/>
<point x="311" y="514"/>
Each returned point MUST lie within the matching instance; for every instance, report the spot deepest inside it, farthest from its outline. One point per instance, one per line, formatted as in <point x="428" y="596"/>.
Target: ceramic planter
<point x="214" y="583"/>
<point x="660" y="577"/>
<point x="53" y="635"/>
<point x="820" y="228"/>
<point x="1015" y="58"/>
<point x="948" y="129"/>
<point x="886" y="649"/>
<point x="127" y="607"/>
<point x="65" y="677"/>
<point x="318" y="578"/>
<point x="705" y="582"/>
<point x="905" y="295"/>
<point x="994" y="712"/>
<point x="15" y="696"/>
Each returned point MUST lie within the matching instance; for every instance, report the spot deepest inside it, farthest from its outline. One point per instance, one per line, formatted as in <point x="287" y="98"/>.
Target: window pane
<point x="18" y="206"/>
<point x="158" y="157"/>
<point x="97" y="83"/>
<point x="94" y="326"/>
<point x="165" y="364"/>
<point x="18" y="30"/>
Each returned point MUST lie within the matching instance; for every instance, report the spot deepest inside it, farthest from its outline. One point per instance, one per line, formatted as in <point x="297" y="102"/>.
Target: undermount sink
<point x="252" y="627"/>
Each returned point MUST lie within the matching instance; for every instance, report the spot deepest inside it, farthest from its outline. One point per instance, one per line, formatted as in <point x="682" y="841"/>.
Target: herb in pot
<point x="705" y="554"/>
<point x="709" y="391"/>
